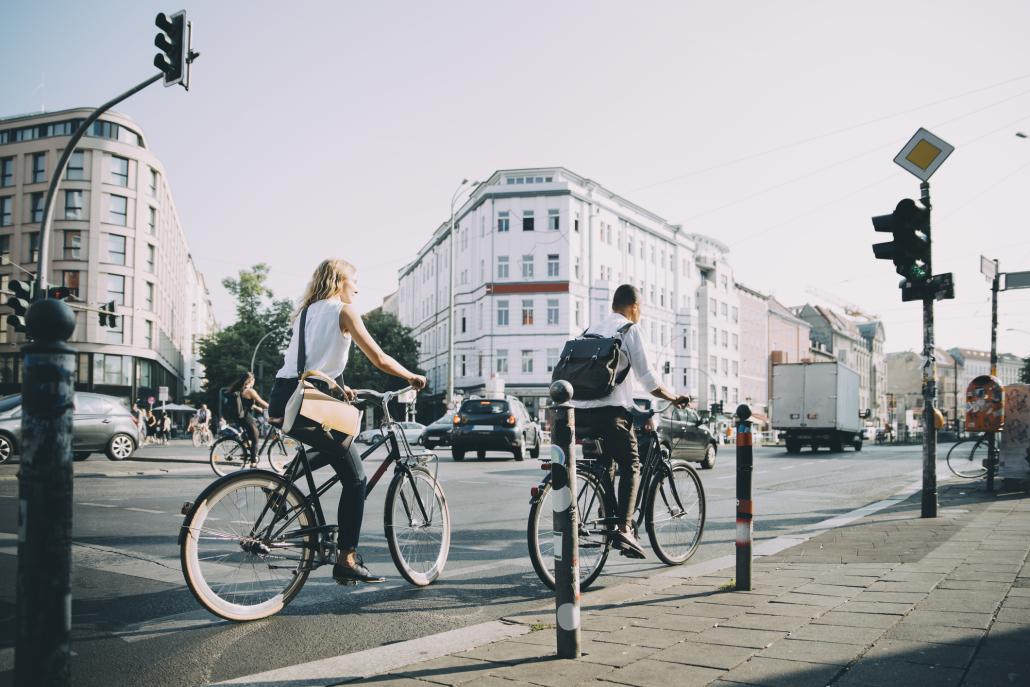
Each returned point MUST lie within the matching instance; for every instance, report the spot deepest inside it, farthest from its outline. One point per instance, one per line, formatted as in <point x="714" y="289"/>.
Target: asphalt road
<point x="135" y="622"/>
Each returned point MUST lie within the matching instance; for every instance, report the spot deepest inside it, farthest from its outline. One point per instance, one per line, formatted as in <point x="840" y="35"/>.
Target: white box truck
<point x="816" y="404"/>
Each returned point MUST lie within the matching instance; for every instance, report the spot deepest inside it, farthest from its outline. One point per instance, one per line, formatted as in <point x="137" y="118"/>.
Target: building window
<point x="725" y="366"/>
<point x="579" y="313"/>
<point x="725" y="310"/>
<point x="116" y="249"/>
<point x="463" y="365"/>
<point x="116" y="288"/>
<point x="736" y="368"/>
<point x="76" y="166"/>
<point x="725" y="286"/>
<point x="502" y="313"/>
<point x="112" y="369"/>
<point x="715" y="336"/>
<point x="552" y="311"/>
<point x="715" y="307"/>
<point x="553" y="220"/>
<point x="575" y="266"/>
<point x="5" y="252"/>
<point x="502" y="266"/>
<point x="463" y="321"/>
<point x="148" y="334"/>
<point x="553" y="266"/>
<point x="115" y="334"/>
<point x="153" y="182"/>
<point x="527" y="311"/>
<point x="38" y="168"/>
<point x="73" y="205"/>
<point x="725" y="339"/>
<point x="552" y="359"/>
<point x="32" y="243"/>
<point x="502" y="221"/>
<point x="72" y="244"/>
<point x="148" y="296"/>
<point x="527" y="266"/>
<point x="714" y="363"/>
<point x="36" y="207"/>
<point x="736" y="314"/>
<point x="6" y="205"/>
<point x="527" y="220"/>
<point x="725" y="395"/>
<point x="575" y="223"/>
<point x="479" y="319"/>
<point x="150" y="258"/>
<point x="70" y="280"/>
<point x="527" y="362"/>
<point x="118" y="210"/>
<point x="736" y="342"/>
<point x="502" y="361"/>
<point x="7" y="171"/>
<point x="119" y="171"/>
<point x="152" y="220"/>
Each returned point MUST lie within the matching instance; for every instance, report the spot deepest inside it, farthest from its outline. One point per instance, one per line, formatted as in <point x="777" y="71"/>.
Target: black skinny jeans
<point x="613" y="425"/>
<point x="249" y="425"/>
<point x="346" y="463"/>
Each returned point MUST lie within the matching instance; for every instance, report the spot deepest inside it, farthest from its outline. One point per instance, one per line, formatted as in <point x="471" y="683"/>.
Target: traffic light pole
<point x="44" y="599"/>
<point x="929" y="502"/>
<point x="992" y="438"/>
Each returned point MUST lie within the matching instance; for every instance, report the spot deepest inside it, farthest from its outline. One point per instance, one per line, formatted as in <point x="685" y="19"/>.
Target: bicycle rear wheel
<point x="229" y="455"/>
<point x="418" y="525"/>
<point x="675" y="515"/>
<point x="596" y="511"/>
<point x="281" y="452"/>
<point x="234" y="569"/>
<point x="966" y="458"/>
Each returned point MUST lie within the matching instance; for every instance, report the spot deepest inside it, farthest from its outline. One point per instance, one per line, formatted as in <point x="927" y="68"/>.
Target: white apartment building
<point x="539" y="253"/>
<point x="116" y="237"/>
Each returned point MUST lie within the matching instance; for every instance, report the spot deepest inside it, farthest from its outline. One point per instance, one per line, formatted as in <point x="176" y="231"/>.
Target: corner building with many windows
<point x="539" y="254"/>
<point x="115" y="237"/>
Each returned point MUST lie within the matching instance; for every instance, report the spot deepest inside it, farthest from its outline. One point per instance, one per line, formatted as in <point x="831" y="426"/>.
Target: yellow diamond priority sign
<point x="923" y="154"/>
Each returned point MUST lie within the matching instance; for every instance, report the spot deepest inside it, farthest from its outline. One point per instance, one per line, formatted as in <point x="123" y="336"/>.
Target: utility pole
<point x="929" y="500"/>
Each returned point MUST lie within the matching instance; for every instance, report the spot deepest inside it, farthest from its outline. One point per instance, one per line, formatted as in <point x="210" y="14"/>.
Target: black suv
<point x="494" y="424"/>
<point x="685" y="435"/>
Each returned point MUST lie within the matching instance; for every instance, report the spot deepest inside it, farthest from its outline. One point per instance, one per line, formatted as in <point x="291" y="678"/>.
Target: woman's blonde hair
<point x="326" y="282"/>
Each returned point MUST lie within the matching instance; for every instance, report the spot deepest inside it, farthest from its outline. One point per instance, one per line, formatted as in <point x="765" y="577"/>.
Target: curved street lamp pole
<point x="253" y="357"/>
<point x="450" y="307"/>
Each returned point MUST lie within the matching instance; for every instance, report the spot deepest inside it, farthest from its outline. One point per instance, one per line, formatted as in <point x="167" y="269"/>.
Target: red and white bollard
<point x="745" y="506"/>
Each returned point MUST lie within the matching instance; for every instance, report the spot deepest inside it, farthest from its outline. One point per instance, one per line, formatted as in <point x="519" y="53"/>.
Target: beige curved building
<point x="116" y="237"/>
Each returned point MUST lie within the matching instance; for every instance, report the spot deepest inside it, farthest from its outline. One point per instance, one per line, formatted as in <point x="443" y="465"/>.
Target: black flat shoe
<point x="627" y="544"/>
<point x="349" y="574"/>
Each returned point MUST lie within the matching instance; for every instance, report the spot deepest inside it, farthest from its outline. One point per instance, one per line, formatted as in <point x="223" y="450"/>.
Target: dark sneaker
<point x="626" y="543"/>
<point x="349" y="574"/>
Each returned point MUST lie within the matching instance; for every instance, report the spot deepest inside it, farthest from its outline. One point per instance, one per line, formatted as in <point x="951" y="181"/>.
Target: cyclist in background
<point x="610" y="419"/>
<point x="244" y="386"/>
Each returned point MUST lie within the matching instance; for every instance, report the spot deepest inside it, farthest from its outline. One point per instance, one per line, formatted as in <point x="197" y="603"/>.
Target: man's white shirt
<point x="634" y="357"/>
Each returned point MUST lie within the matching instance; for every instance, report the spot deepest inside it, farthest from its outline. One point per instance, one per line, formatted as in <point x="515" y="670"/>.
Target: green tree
<point x="396" y="340"/>
<point x="226" y="354"/>
<point x="1024" y="374"/>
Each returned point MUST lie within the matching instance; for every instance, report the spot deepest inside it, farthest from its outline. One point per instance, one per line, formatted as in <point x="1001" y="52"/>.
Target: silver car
<point x="100" y="423"/>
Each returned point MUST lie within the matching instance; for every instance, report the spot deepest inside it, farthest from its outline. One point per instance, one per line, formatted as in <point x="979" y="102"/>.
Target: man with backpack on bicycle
<point x="597" y="365"/>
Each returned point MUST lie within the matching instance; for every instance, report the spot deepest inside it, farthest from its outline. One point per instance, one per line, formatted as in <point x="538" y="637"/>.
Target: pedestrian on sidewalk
<point x="151" y="426"/>
<point x="610" y="420"/>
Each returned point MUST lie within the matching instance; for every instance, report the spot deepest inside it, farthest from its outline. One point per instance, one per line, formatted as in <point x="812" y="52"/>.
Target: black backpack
<point x="590" y="364"/>
<point x="232" y="406"/>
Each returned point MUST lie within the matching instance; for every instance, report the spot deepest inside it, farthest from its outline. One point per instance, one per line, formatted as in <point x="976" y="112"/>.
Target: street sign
<point x="162" y="394"/>
<point x="1017" y="280"/>
<point x="988" y="268"/>
<point x="923" y="154"/>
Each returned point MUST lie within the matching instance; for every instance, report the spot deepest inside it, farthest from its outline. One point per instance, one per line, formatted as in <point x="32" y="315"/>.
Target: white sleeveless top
<point x="326" y="348"/>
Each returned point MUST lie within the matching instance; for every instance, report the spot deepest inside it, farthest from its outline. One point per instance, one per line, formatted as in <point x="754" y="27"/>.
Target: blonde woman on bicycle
<point x="331" y="323"/>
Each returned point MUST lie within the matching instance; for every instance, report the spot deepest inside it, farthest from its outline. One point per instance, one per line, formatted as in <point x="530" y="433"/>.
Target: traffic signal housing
<point x="174" y="42"/>
<point x="106" y="315"/>
<point x="59" y="292"/>
<point x="910" y="249"/>
<point x="22" y="295"/>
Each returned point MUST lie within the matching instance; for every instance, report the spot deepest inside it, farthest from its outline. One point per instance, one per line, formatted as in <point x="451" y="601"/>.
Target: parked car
<point x="494" y="424"/>
<point x="100" y="423"/>
<point x="367" y="436"/>
<point x="413" y="431"/>
<point x="686" y="435"/>
<point x="439" y="432"/>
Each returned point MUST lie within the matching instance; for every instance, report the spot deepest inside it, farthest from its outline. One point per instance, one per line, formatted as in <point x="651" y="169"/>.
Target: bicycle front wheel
<point x="229" y="455"/>
<point x="247" y="545"/>
<point x="197" y="438"/>
<point x="966" y="458"/>
<point x="418" y="525"/>
<point x="675" y="515"/>
<point x="281" y="452"/>
<point x="596" y="517"/>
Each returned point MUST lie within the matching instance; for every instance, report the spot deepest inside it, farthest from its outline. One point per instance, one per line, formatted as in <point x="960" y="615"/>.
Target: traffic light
<point x="716" y="409"/>
<point x="910" y="249"/>
<point x="59" y="292"/>
<point x="174" y="42"/>
<point x="107" y="317"/>
<point x="23" y="294"/>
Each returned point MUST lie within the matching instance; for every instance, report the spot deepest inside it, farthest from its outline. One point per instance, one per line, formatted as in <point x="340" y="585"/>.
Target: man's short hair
<point x="625" y="296"/>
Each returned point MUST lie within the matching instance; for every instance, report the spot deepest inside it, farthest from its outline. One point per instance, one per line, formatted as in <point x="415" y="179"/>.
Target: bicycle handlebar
<point x="385" y="396"/>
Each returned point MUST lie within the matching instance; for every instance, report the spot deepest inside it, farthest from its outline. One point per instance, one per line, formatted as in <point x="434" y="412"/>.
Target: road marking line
<point x="789" y="467"/>
<point x="146" y="510"/>
<point x="98" y="505"/>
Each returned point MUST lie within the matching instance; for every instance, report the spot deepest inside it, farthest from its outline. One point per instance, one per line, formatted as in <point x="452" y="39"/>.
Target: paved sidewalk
<point x="891" y="599"/>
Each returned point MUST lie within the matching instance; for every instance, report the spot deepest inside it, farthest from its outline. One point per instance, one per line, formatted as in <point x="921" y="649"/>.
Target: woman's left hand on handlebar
<point x="349" y="394"/>
<point x="417" y="381"/>
<point x="682" y="401"/>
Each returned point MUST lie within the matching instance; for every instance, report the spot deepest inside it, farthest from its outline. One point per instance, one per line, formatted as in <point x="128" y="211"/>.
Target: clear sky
<point x="317" y="129"/>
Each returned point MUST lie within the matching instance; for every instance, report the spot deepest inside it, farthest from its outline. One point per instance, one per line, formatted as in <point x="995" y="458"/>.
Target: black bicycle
<point x="670" y="504"/>
<point x="251" y="538"/>
<point x="232" y="453"/>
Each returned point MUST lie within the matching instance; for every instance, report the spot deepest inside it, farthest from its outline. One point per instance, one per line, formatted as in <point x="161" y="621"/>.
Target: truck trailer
<point x="816" y="404"/>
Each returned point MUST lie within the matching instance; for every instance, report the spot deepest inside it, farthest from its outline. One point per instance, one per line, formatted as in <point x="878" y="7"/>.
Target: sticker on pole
<point x="557" y="455"/>
<point x="923" y="154"/>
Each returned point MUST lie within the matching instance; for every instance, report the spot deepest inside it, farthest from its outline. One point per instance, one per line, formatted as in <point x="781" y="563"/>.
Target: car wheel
<point x="709" y="461"/>
<point x="79" y="456"/>
<point x="793" y="447"/>
<point x="120" y="447"/>
<point x="480" y="455"/>
<point x="6" y="449"/>
<point x="858" y="445"/>
<point x="535" y="451"/>
<point x="430" y="445"/>
<point x="457" y="455"/>
<point x="418" y="442"/>
<point x="520" y="452"/>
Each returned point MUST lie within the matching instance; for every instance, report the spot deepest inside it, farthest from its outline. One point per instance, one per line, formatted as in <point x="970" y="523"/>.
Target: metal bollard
<point x="44" y="606"/>
<point x="745" y="506"/>
<point x="566" y="521"/>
